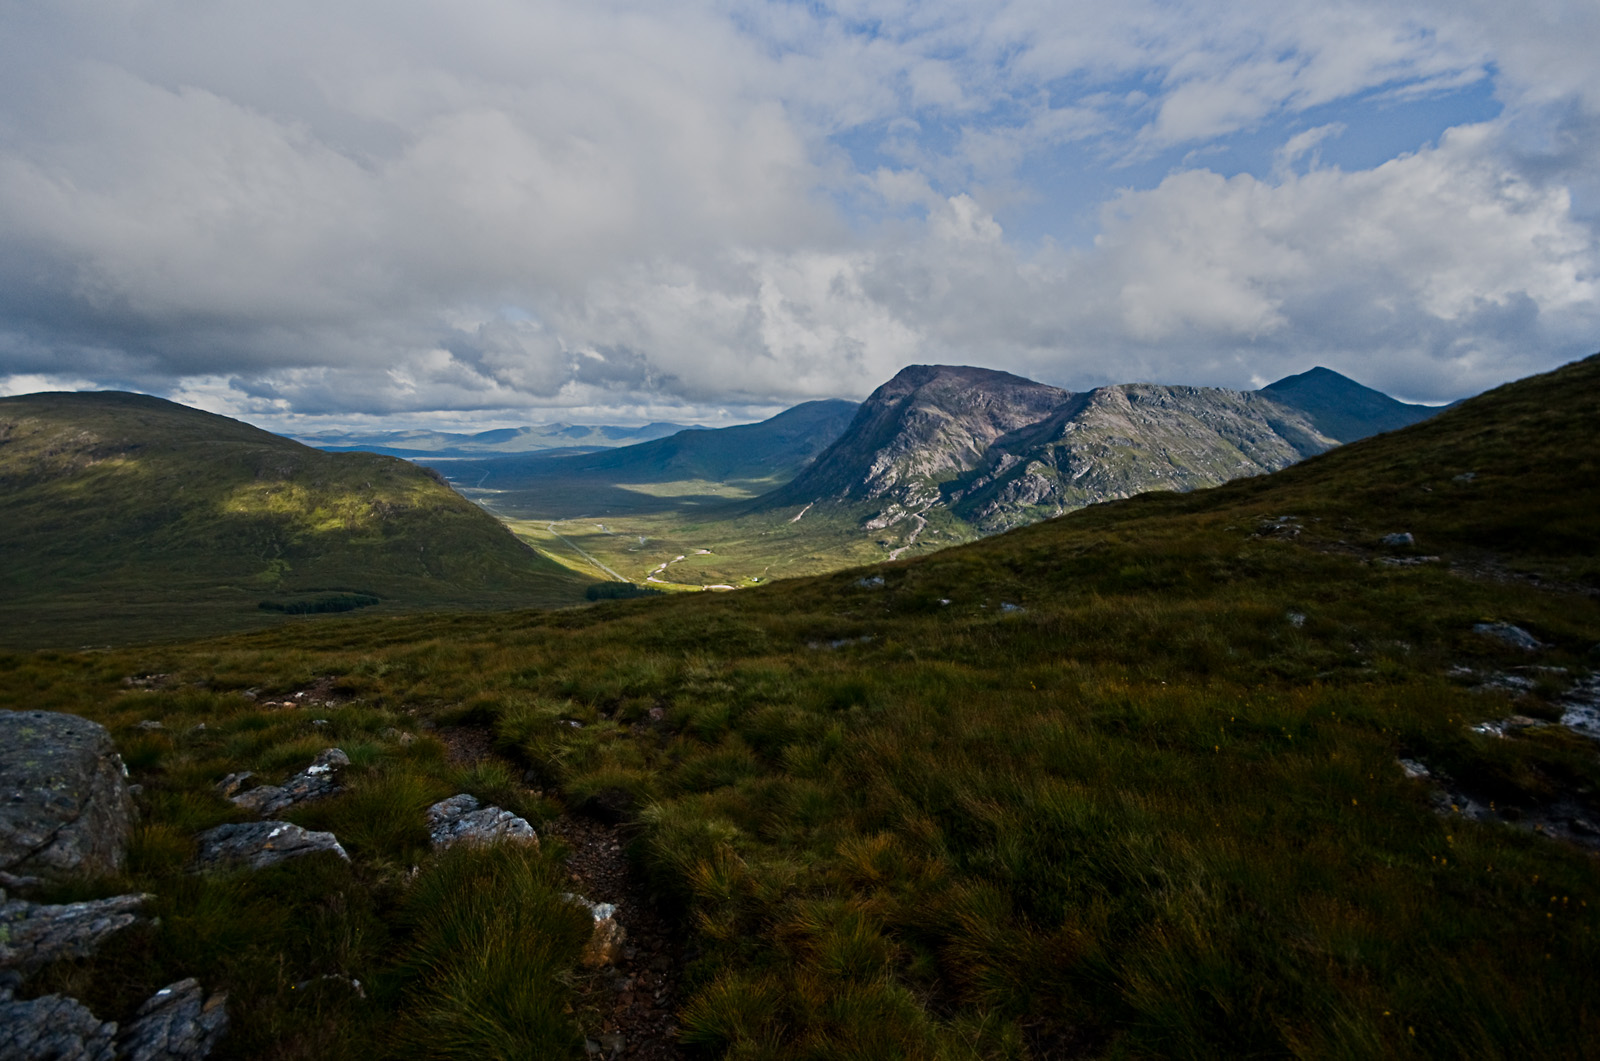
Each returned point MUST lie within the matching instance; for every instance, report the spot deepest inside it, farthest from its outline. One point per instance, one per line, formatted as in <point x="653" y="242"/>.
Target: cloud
<point x="383" y="209"/>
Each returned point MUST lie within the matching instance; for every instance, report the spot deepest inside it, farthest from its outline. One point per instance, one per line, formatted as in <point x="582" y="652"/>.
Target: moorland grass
<point x="1125" y="781"/>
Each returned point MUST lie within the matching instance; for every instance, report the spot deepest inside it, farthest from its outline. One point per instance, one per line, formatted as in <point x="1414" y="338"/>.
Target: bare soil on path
<point x="627" y="1010"/>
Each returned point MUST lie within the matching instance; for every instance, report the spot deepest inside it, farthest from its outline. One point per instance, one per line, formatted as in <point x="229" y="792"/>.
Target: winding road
<point x="570" y="544"/>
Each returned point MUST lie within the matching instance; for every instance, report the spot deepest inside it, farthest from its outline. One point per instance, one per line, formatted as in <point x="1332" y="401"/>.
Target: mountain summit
<point x="928" y="425"/>
<point x="1341" y="408"/>
<point x="992" y="450"/>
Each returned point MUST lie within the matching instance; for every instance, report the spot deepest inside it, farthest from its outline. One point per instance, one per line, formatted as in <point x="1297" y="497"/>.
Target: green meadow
<point x="1121" y="784"/>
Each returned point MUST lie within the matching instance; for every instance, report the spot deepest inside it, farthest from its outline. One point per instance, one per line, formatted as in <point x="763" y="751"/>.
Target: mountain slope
<point x="928" y="425"/>
<point x="127" y="515"/>
<point x="1119" y="441"/>
<point x="500" y="441"/>
<point x="998" y="451"/>
<point x="1341" y="408"/>
<point x="1208" y="774"/>
<point x="773" y="450"/>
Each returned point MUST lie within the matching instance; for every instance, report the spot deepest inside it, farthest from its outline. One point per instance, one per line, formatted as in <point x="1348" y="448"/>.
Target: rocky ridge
<point x="996" y="450"/>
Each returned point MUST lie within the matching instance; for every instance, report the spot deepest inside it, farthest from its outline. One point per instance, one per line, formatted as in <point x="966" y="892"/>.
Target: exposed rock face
<point x="51" y="1027"/>
<point x="177" y="1023"/>
<point x="257" y="845"/>
<point x="34" y="934"/>
<point x="1119" y="441"/>
<point x="64" y="804"/>
<point x="928" y="424"/>
<point x="317" y="781"/>
<point x="997" y="451"/>
<point x="1000" y="450"/>
<point x="460" y="819"/>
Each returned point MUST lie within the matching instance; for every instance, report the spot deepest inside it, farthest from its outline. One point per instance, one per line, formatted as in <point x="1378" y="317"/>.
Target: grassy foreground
<point x="1120" y="784"/>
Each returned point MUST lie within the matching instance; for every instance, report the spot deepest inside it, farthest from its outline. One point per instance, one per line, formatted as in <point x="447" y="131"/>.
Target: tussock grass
<point x="491" y="938"/>
<point x="1145" y="812"/>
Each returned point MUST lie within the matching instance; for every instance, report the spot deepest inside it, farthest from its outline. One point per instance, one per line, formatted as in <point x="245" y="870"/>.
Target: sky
<point x="360" y="214"/>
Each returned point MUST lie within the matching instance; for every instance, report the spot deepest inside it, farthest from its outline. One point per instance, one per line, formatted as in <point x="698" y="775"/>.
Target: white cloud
<point x="305" y="209"/>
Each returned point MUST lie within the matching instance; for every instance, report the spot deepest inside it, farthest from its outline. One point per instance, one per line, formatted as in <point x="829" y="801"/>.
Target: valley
<point x="1298" y="765"/>
<point x="938" y="456"/>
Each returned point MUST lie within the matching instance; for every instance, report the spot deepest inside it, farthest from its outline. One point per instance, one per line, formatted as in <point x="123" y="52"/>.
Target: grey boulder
<point x="33" y="935"/>
<point x="257" y="845"/>
<point x="317" y="781"/>
<point x="460" y="819"/>
<point x="64" y="805"/>
<point x="51" y="1028"/>
<point x="1515" y="636"/>
<point x="177" y="1023"/>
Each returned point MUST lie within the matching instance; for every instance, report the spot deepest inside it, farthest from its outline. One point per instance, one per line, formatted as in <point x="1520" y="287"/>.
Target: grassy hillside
<point x="1125" y="783"/>
<point x="128" y="516"/>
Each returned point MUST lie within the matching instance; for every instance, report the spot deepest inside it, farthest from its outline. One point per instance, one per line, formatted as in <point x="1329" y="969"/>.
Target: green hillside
<point x="1126" y="783"/>
<point x="128" y="516"/>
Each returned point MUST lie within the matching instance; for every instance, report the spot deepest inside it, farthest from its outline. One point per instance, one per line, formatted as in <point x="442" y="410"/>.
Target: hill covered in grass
<point x="128" y="517"/>
<point x="1236" y="772"/>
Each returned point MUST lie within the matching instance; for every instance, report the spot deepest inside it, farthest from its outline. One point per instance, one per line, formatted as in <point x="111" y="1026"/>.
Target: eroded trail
<point x="628" y="1008"/>
<point x="637" y="997"/>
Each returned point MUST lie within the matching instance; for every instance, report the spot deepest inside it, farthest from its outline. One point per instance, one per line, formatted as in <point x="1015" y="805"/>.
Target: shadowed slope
<point x="128" y="516"/>
<point x="1341" y="408"/>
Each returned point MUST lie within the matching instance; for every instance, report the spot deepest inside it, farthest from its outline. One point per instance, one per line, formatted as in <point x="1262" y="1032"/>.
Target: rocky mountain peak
<point x="928" y="424"/>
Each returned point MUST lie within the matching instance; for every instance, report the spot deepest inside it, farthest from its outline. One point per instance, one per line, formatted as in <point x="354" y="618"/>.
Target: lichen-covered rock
<point x="51" y="1027"/>
<point x="34" y="934"/>
<point x="177" y="1023"/>
<point x="460" y="819"/>
<point x="257" y="845"/>
<point x="64" y="804"/>
<point x="605" y="942"/>
<point x="317" y="781"/>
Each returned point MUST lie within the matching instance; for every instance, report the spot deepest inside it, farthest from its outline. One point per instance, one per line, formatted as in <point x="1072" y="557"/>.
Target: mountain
<point x="997" y="451"/>
<point x="1119" y="441"/>
<point x="773" y="448"/>
<point x="1235" y="772"/>
<point x="1341" y="408"/>
<point x="127" y="513"/>
<point x="504" y="441"/>
<point x="927" y="426"/>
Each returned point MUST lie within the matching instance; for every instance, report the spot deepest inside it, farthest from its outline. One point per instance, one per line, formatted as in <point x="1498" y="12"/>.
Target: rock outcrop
<point x="53" y="1027"/>
<point x="64" y="805"/>
<point x="460" y="819"/>
<point x="177" y="1023"/>
<point x="34" y="934"/>
<point x="257" y="845"/>
<point x="317" y="781"/>
<point x="998" y="451"/>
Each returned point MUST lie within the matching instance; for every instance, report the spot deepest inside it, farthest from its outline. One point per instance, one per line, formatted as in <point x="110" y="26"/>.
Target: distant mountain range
<point x="996" y="450"/>
<point x="772" y="451"/>
<point x="568" y="438"/>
